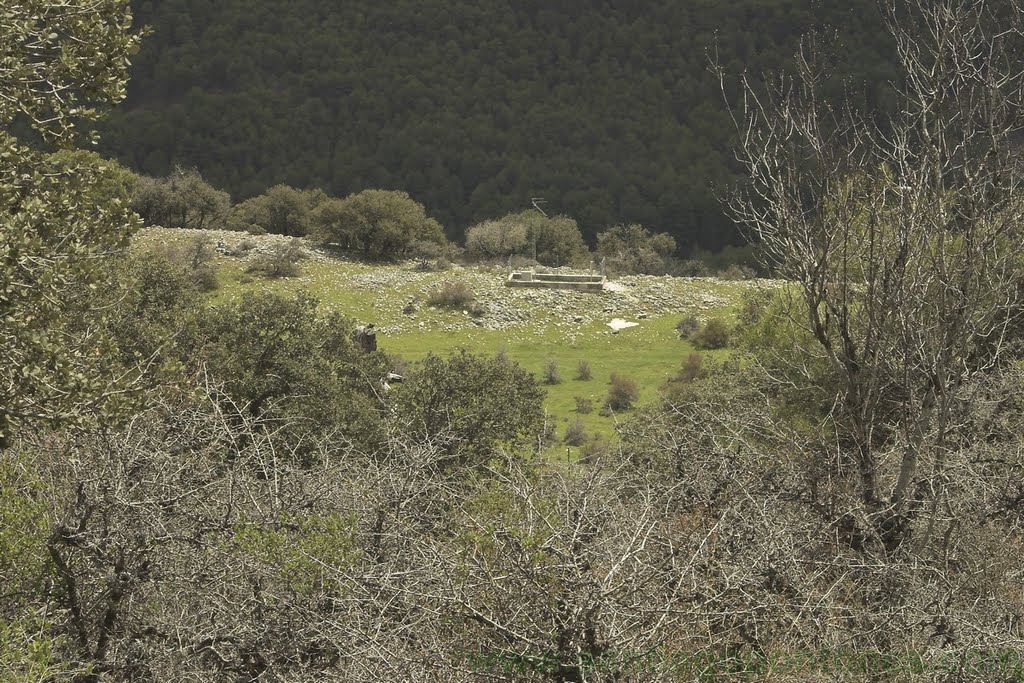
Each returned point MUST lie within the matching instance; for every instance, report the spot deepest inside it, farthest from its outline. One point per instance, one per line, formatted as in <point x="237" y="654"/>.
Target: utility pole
<point x="537" y="201"/>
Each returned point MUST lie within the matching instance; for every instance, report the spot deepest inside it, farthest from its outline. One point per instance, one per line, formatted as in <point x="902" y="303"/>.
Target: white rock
<point x="619" y="324"/>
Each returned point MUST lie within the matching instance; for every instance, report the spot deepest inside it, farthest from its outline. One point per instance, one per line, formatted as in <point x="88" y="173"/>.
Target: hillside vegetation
<point x="533" y="327"/>
<point x="209" y="470"/>
<point x="606" y="108"/>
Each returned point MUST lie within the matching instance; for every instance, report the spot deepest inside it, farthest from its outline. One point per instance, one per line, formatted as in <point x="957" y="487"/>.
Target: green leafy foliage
<point x="281" y="210"/>
<point x="61" y="64"/>
<point x="550" y="241"/>
<point x="472" y="404"/>
<point x="154" y="303"/>
<point x="381" y="223"/>
<point x="634" y="249"/>
<point x="24" y="522"/>
<point x="53" y="235"/>
<point x="180" y="200"/>
<point x="112" y="183"/>
<point x="28" y="644"/>
<point x="277" y="359"/>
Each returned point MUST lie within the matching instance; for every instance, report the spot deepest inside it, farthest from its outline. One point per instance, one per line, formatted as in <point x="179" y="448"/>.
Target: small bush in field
<point x="282" y="260"/>
<point x="756" y="304"/>
<point x="687" y="327"/>
<point x="454" y="294"/>
<point x="622" y="393"/>
<point x="593" y="449"/>
<point x="737" y="272"/>
<point x="575" y="434"/>
<point x="242" y="248"/>
<point x="584" y="406"/>
<point x="692" y="369"/>
<point x="196" y="256"/>
<point x="583" y="372"/>
<point x="197" y="253"/>
<point x="714" y="335"/>
<point x="205" y="278"/>
<point x="551" y="373"/>
<point x="430" y="256"/>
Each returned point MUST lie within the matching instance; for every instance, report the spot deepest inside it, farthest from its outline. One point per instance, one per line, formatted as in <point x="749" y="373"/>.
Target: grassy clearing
<point x="546" y="328"/>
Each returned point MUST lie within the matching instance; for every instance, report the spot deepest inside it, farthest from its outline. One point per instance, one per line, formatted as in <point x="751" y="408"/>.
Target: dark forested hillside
<point x="604" y="107"/>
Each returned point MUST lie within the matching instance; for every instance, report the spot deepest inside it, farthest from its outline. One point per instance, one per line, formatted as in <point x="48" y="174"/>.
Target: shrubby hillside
<point x="208" y="473"/>
<point x="606" y="108"/>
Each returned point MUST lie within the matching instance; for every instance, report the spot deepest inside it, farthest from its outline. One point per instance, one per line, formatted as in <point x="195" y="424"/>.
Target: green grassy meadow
<point x="537" y="326"/>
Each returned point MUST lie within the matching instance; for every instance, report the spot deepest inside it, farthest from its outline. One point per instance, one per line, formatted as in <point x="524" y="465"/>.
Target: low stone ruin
<point x="579" y="283"/>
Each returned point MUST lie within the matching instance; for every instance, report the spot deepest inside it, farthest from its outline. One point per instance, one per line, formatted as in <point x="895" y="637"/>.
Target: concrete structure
<point x="580" y="283"/>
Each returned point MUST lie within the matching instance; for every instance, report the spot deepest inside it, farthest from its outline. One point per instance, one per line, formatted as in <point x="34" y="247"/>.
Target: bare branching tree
<point x="564" y="575"/>
<point x="902" y="238"/>
<point x="783" y="565"/>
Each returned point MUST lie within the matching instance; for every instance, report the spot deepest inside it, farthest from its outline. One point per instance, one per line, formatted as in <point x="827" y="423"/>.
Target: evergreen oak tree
<point x="61" y="63"/>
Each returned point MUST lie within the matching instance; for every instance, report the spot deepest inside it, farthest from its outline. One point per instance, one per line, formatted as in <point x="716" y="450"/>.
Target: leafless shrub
<point x="281" y="260"/>
<point x="622" y="392"/>
<point x="551" y="372"/>
<point x="897" y="239"/>
<point x="575" y="433"/>
<point x="583" y="371"/>
<point x="454" y="294"/>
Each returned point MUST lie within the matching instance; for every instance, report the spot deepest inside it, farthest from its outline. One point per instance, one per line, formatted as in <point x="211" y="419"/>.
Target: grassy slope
<point x="546" y="325"/>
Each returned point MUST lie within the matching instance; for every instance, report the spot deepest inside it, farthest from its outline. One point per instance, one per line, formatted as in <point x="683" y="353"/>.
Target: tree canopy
<point x="62" y="63"/>
<point x="606" y="109"/>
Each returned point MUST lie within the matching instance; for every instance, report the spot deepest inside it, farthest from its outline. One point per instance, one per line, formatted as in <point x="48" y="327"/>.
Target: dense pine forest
<point x="606" y="108"/>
